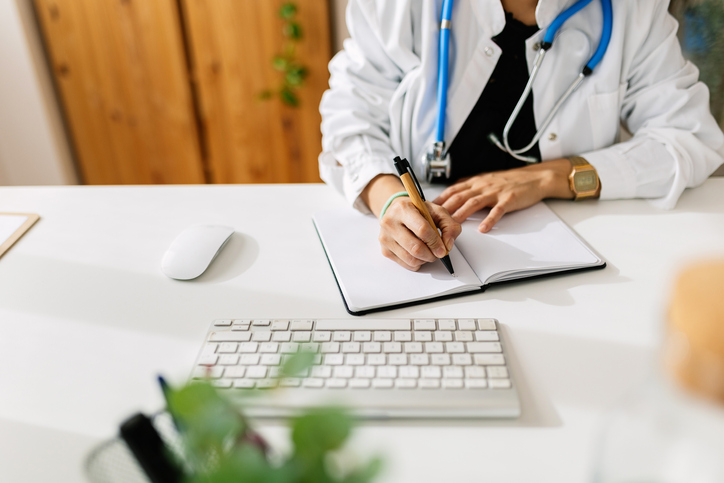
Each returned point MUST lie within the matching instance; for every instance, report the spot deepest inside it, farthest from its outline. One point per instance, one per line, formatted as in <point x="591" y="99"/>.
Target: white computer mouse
<point x="193" y="251"/>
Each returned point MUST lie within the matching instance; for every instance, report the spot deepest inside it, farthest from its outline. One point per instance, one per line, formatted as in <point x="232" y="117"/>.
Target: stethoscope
<point x="436" y="162"/>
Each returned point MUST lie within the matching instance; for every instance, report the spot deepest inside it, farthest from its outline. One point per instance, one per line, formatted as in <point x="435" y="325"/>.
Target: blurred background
<point x="195" y="91"/>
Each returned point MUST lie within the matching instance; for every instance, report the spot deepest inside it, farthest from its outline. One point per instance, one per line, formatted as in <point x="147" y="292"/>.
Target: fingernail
<point x="483" y="228"/>
<point x="440" y="252"/>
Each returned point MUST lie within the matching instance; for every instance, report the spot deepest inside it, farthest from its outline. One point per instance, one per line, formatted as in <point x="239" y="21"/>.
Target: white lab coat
<point x="382" y="97"/>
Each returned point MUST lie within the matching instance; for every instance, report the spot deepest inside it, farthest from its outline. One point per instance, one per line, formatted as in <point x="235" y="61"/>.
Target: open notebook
<point x="524" y="244"/>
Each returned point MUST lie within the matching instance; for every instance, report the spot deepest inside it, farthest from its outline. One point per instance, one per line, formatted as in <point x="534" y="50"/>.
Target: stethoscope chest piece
<point x="436" y="162"/>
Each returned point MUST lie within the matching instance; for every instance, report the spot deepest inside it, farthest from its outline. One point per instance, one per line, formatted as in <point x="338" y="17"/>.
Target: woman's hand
<point x="405" y="235"/>
<point x="506" y="191"/>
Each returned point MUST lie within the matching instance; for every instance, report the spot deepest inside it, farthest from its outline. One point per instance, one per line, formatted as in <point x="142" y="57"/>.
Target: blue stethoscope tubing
<point x="544" y="47"/>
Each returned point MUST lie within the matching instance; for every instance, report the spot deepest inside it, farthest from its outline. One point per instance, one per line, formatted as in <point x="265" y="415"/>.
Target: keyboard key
<point x="323" y="372"/>
<point x="289" y="348"/>
<point x="391" y="347"/>
<point x="248" y="347"/>
<point x="499" y="383"/>
<point x="334" y="359"/>
<point x="382" y="336"/>
<point x="455" y="347"/>
<point x="336" y="383"/>
<point x="239" y="327"/>
<point x="476" y="383"/>
<point x="205" y="372"/>
<point x="463" y="336"/>
<point x="359" y="383"/>
<point x="242" y="322"/>
<point x="462" y="359"/>
<point x="302" y="337"/>
<point x="429" y="383"/>
<point x="290" y="382"/>
<point x="228" y="348"/>
<point x="269" y="347"/>
<point x="387" y="372"/>
<point x="274" y="371"/>
<point x="475" y="372"/>
<point x="330" y="347"/>
<point x="452" y="383"/>
<point x="222" y="383"/>
<point x="397" y="359"/>
<point x="498" y="372"/>
<point x="310" y="347"/>
<point x="476" y="347"/>
<point x="302" y="325"/>
<point x="362" y="336"/>
<point x="371" y="347"/>
<point x="322" y="336"/>
<point x="266" y="384"/>
<point x="413" y="347"/>
<point x="443" y="336"/>
<point x="281" y="336"/>
<point x="382" y="383"/>
<point x="261" y="323"/>
<point x="440" y="359"/>
<point x="222" y="322"/>
<point x="411" y="372"/>
<point x="256" y="372"/>
<point x="351" y="347"/>
<point x="355" y="359"/>
<point x="466" y="324"/>
<point x="405" y="383"/>
<point x="313" y="383"/>
<point x="280" y="325"/>
<point x="270" y="360"/>
<point x="264" y="336"/>
<point x="427" y="324"/>
<point x="343" y="372"/>
<point x="376" y="359"/>
<point x="419" y="359"/>
<point x="229" y="336"/>
<point x="364" y="372"/>
<point x="342" y="336"/>
<point x="209" y="360"/>
<point x="229" y="360"/>
<point x="486" y="324"/>
<point x="244" y="384"/>
<point x="433" y="347"/>
<point x="423" y="336"/>
<point x="209" y="349"/>
<point x="452" y="372"/>
<point x="432" y="372"/>
<point x="489" y="359"/>
<point x="403" y="336"/>
<point x="249" y="359"/>
<point x="487" y="335"/>
<point x="446" y="324"/>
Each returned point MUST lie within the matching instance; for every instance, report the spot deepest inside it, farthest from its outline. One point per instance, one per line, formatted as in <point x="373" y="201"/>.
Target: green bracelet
<point x="389" y="202"/>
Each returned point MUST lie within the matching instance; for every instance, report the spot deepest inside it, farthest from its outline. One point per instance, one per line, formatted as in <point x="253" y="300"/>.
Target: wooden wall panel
<point x="121" y="70"/>
<point x="232" y="43"/>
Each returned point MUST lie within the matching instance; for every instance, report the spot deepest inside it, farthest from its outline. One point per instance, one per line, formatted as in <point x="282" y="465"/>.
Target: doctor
<point x="382" y="103"/>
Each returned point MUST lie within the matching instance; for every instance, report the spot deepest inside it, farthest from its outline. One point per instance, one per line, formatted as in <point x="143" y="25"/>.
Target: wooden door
<point x="232" y="44"/>
<point x="121" y="70"/>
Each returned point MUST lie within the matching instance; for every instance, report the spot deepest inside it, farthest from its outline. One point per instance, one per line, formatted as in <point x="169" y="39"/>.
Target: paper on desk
<point x="367" y="279"/>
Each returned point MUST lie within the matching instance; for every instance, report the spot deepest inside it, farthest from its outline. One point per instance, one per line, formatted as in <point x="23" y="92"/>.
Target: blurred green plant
<point x="286" y="63"/>
<point x="220" y="445"/>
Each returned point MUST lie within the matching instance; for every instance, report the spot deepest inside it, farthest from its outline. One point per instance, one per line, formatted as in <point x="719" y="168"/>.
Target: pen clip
<point x="414" y="180"/>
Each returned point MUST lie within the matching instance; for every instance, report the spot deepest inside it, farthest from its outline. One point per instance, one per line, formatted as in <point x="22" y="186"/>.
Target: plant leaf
<point x="320" y="430"/>
<point x="289" y="98"/>
<point x="288" y="11"/>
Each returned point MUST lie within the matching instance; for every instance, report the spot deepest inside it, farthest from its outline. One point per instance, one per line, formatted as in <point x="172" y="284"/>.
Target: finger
<point x="405" y="226"/>
<point x="473" y="205"/>
<point x="459" y="199"/>
<point x="449" y="191"/>
<point x="450" y="228"/>
<point x="496" y="213"/>
<point x="392" y="256"/>
<point x="424" y="242"/>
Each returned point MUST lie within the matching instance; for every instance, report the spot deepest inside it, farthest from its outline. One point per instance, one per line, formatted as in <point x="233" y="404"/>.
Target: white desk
<point x="87" y="320"/>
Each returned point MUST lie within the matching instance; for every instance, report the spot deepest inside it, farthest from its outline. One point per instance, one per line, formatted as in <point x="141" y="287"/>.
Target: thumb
<point x="450" y="228"/>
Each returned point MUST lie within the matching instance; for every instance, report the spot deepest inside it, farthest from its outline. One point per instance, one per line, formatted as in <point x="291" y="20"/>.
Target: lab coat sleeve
<point x="676" y="142"/>
<point x="364" y="76"/>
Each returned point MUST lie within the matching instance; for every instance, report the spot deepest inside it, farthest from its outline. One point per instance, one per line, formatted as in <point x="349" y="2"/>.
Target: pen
<point x="412" y="186"/>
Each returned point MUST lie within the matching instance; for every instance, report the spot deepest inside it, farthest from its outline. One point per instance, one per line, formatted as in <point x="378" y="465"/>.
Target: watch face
<point x="585" y="181"/>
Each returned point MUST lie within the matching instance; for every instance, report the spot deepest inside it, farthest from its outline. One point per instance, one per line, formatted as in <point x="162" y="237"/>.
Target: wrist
<point x="554" y="178"/>
<point x="378" y="192"/>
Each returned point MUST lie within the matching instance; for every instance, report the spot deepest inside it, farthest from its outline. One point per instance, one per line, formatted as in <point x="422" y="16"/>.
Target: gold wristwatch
<point x="583" y="179"/>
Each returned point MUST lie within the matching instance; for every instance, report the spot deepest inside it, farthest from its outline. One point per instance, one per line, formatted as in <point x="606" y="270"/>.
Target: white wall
<point x="33" y="145"/>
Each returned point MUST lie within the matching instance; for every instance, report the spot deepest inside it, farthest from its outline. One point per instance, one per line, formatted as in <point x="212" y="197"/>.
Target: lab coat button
<point x="552" y="136"/>
<point x="536" y="46"/>
<point x="489" y="51"/>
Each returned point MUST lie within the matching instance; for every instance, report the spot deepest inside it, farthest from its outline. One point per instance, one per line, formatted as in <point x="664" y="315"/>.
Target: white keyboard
<point x="375" y="357"/>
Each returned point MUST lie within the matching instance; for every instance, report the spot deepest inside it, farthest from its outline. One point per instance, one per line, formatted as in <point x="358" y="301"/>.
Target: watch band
<point x="583" y="179"/>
